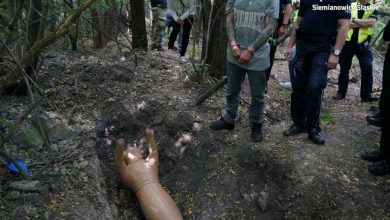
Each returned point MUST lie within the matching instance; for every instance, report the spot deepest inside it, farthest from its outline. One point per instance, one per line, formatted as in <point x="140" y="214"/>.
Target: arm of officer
<point x="362" y="23"/>
<point x="340" y="40"/>
<point x="286" y="17"/>
<point x="293" y="38"/>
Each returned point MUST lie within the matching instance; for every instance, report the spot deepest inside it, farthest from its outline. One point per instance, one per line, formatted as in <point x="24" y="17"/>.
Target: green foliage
<point x="326" y="118"/>
<point x="4" y="123"/>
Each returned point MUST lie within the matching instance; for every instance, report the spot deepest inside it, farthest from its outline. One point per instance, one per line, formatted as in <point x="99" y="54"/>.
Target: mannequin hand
<point x="134" y="171"/>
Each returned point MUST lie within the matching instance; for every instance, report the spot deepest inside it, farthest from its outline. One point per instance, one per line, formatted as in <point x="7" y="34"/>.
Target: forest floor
<point x="218" y="174"/>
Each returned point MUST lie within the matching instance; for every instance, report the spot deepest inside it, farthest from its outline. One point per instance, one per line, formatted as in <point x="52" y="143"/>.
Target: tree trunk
<point x="99" y="40"/>
<point x="215" y="45"/>
<point x="139" y="39"/>
<point x="113" y="19"/>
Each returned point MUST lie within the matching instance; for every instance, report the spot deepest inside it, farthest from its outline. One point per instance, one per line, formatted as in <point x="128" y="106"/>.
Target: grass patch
<point x="326" y="118"/>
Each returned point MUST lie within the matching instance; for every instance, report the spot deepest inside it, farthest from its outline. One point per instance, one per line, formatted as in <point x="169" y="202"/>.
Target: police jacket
<point x="158" y="3"/>
<point x="364" y="33"/>
<point x="181" y="9"/>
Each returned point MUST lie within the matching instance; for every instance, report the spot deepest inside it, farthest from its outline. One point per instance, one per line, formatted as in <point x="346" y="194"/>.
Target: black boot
<point x="375" y="118"/>
<point x="338" y="96"/>
<point x="221" y="124"/>
<point x="373" y="156"/>
<point x="315" y="136"/>
<point x="293" y="130"/>
<point x="370" y="98"/>
<point x="380" y="168"/>
<point x="256" y="133"/>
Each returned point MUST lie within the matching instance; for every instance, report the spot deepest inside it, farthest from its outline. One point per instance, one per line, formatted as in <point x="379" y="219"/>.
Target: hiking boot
<point x="380" y="168"/>
<point x="375" y="118"/>
<point x="315" y="137"/>
<point x="256" y="133"/>
<point x="338" y="97"/>
<point x="221" y="124"/>
<point x="373" y="156"/>
<point x="293" y="130"/>
<point x="370" y="98"/>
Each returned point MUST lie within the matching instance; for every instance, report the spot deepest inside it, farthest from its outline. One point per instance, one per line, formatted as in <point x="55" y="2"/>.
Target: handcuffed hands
<point x="134" y="171"/>
<point x="245" y="56"/>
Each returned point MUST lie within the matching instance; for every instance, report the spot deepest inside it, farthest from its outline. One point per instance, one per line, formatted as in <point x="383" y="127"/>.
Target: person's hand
<point x="332" y="61"/>
<point x="179" y="21"/>
<point x="287" y="53"/>
<point x="235" y="50"/>
<point x="281" y="31"/>
<point x="245" y="56"/>
<point x="134" y="171"/>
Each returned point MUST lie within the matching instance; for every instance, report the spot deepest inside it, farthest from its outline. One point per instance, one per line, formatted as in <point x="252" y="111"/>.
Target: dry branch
<point x="9" y="79"/>
<point x="211" y="91"/>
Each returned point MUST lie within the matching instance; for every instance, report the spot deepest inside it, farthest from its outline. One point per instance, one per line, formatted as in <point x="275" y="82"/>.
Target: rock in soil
<point x="25" y="185"/>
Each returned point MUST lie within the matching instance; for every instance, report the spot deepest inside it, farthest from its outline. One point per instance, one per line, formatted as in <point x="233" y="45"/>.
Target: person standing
<point x="169" y="23"/>
<point x="285" y="10"/>
<point x="249" y="25"/>
<point x="158" y="11"/>
<point x="360" y="32"/>
<point x="319" y="36"/>
<point x="182" y="12"/>
<point x="381" y="157"/>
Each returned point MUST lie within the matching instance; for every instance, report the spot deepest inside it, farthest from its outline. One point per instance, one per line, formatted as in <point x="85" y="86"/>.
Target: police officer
<point x="381" y="157"/>
<point x="319" y="34"/>
<point x="357" y="43"/>
<point x="158" y="12"/>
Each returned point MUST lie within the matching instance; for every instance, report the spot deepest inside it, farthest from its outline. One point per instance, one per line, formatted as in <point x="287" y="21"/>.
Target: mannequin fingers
<point x="119" y="150"/>
<point x="153" y="151"/>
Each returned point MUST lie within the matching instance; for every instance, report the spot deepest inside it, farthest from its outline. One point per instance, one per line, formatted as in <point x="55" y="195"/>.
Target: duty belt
<point x="313" y="38"/>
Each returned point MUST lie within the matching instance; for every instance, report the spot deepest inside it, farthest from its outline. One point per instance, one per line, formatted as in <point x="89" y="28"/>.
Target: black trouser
<point x="309" y="82"/>
<point x="384" y="105"/>
<point x="186" y="35"/>
<point x="364" y="55"/>
<point x="272" y="52"/>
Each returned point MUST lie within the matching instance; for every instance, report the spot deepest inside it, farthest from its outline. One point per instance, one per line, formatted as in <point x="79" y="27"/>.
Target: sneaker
<point x="380" y="168"/>
<point x="286" y="85"/>
<point x="256" y="133"/>
<point x="221" y="124"/>
<point x="160" y="48"/>
<point x="315" y="137"/>
<point x="183" y="59"/>
<point x="373" y="156"/>
<point x="293" y="130"/>
<point x="170" y="52"/>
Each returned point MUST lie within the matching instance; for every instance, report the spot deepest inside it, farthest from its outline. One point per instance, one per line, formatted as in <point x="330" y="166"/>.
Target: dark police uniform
<point x="384" y="103"/>
<point x="273" y="47"/>
<point x="381" y="157"/>
<point x="315" y="38"/>
<point x="357" y="43"/>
